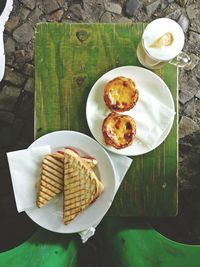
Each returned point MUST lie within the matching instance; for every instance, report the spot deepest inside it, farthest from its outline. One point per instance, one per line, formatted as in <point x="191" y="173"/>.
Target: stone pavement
<point x="17" y="87"/>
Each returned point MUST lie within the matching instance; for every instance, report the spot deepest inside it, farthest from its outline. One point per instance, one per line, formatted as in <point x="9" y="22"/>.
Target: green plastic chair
<point x="134" y="243"/>
<point x="43" y="249"/>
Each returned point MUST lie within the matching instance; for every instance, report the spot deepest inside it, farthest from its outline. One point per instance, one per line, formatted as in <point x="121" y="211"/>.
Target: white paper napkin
<point x="121" y="166"/>
<point x="152" y="118"/>
<point x="25" y="167"/>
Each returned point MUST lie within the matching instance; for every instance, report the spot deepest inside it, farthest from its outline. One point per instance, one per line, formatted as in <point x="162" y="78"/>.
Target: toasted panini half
<point x="119" y="130"/>
<point x="81" y="186"/>
<point x="51" y="178"/>
<point x="120" y="94"/>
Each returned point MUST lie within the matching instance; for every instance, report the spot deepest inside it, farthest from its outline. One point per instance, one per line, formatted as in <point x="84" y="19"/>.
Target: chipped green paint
<point x="69" y="59"/>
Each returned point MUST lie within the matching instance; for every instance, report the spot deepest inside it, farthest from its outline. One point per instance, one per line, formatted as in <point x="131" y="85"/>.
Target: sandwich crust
<point x="120" y="94"/>
<point x="118" y="130"/>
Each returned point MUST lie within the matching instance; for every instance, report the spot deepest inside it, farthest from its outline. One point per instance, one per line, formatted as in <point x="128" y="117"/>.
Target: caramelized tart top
<point x="120" y="94"/>
<point x="119" y="130"/>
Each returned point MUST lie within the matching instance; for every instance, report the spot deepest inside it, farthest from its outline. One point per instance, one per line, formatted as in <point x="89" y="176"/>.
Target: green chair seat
<point x="133" y="243"/>
<point x="43" y="249"/>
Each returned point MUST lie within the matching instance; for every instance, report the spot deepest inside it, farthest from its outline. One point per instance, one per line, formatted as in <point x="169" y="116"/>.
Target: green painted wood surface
<point x="132" y="242"/>
<point x="43" y="249"/>
<point x="69" y="59"/>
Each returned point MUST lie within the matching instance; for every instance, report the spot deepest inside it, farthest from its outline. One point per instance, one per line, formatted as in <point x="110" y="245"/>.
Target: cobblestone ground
<point x="17" y="95"/>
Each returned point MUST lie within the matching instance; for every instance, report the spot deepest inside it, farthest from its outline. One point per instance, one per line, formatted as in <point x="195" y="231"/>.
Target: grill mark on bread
<point x="75" y="208"/>
<point x="79" y="191"/>
<point x="57" y="156"/>
<point x="53" y="181"/>
<point x="48" y="191"/>
<point x="72" y="181"/>
<point x="75" y="205"/>
<point x="45" y="196"/>
<point x="74" y="199"/>
<point x="73" y="186"/>
<point x="54" y="161"/>
<point x="52" y="188"/>
<point x="48" y="163"/>
<point x="52" y="171"/>
<point x="51" y="176"/>
<point x="41" y="202"/>
<point x="76" y="186"/>
<point x="76" y="194"/>
<point x="69" y="170"/>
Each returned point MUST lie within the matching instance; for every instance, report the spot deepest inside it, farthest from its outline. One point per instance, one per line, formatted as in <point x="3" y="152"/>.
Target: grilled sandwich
<point x="52" y="175"/>
<point x="81" y="186"/>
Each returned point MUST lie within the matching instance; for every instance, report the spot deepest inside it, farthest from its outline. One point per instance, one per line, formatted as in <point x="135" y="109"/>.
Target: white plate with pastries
<point x="50" y="216"/>
<point x="148" y="84"/>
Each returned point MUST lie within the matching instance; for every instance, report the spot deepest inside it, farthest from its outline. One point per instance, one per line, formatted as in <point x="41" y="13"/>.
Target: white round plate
<point x="50" y="216"/>
<point x="96" y="110"/>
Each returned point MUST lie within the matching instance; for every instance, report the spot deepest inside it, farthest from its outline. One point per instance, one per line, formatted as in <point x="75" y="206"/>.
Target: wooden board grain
<point x="69" y="59"/>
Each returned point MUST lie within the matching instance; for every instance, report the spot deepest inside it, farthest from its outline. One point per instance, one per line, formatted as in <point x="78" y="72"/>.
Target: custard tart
<point x="120" y="94"/>
<point x="119" y="130"/>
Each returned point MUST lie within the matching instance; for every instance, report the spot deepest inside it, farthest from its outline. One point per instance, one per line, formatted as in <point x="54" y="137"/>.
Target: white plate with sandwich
<point x="83" y="180"/>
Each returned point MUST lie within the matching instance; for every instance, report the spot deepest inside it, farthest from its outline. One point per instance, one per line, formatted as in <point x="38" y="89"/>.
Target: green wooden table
<point x="69" y="59"/>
